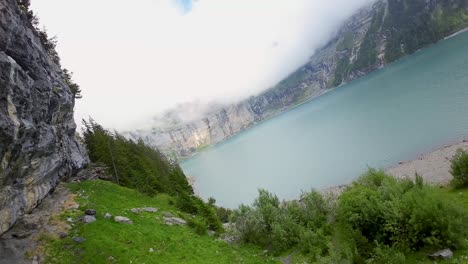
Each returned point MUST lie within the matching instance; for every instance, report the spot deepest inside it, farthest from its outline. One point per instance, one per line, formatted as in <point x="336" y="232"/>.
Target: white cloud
<point x="134" y="59"/>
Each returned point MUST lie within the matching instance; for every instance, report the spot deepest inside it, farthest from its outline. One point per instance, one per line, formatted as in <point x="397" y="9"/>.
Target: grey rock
<point x="89" y="219"/>
<point x="149" y="209"/>
<point x="442" y="254"/>
<point x="151" y="250"/>
<point x="90" y="212"/>
<point x="167" y="214"/>
<point x="63" y="234"/>
<point x="144" y="209"/>
<point x="38" y="146"/>
<point x="78" y="239"/>
<point x="69" y="219"/>
<point x="21" y="234"/>
<point x="123" y="219"/>
<point x="107" y="216"/>
<point x="174" y="221"/>
<point x="211" y="233"/>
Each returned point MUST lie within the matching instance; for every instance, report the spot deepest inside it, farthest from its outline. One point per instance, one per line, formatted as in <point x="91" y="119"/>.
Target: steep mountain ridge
<point x="37" y="131"/>
<point x="375" y="36"/>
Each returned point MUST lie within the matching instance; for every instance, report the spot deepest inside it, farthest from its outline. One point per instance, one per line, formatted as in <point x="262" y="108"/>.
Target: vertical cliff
<point x="37" y="130"/>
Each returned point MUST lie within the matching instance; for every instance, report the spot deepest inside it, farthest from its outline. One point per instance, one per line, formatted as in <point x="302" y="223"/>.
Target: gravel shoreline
<point x="433" y="166"/>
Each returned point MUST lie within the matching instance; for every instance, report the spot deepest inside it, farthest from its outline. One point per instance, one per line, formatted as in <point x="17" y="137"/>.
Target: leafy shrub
<point x="459" y="168"/>
<point x="198" y="226"/>
<point x="387" y="255"/>
<point x="194" y="205"/>
<point x="401" y="214"/>
<point x="280" y="226"/>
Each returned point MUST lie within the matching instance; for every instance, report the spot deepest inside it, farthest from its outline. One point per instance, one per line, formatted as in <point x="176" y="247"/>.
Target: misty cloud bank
<point x="136" y="60"/>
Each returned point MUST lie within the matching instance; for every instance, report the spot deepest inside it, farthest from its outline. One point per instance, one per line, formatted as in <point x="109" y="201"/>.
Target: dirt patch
<point x="23" y="242"/>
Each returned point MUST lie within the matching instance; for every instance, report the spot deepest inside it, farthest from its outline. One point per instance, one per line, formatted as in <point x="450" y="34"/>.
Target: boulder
<point x="90" y="212"/>
<point x="135" y="210"/>
<point x="149" y="209"/>
<point x="107" y="216"/>
<point x="442" y="254"/>
<point x="174" y="221"/>
<point x="89" y="219"/>
<point x="78" y="239"/>
<point x="167" y="214"/>
<point x="123" y="219"/>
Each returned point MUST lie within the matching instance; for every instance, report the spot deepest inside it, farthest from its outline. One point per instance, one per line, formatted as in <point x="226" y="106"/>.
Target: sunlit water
<point x="393" y="114"/>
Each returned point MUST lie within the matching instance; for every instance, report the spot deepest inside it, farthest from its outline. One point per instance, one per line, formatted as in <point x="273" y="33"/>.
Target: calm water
<point x="394" y="114"/>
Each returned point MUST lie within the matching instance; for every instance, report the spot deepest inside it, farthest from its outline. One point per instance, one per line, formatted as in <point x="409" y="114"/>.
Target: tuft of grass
<point x="111" y="242"/>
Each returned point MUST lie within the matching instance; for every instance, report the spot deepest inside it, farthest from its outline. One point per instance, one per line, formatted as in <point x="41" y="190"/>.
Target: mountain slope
<point x="373" y="37"/>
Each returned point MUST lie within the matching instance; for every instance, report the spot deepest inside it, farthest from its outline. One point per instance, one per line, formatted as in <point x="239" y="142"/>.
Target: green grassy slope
<point x="111" y="242"/>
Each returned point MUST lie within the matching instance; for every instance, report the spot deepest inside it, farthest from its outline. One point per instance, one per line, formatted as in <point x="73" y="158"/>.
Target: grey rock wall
<point x="37" y="131"/>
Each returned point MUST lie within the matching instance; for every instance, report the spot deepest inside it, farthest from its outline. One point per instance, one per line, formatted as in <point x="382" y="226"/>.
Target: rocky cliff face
<point x="37" y="130"/>
<point x="375" y="36"/>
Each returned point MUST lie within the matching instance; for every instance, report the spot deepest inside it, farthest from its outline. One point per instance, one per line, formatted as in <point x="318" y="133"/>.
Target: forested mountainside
<point x="373" y="37"/>
<point x="37" y="131"/>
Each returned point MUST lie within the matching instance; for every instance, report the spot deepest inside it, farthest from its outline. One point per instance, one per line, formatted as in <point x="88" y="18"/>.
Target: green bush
<point x="401" y="214"/>
<point x="198" y="226"/>
<point x="459" y="168"/>
<point x="194" y="205"/>
<point x="387" y="255"/>
<point x="280" y="226"/>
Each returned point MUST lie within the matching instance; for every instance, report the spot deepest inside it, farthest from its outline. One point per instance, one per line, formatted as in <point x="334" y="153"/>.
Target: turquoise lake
<point x="407" y="108"/>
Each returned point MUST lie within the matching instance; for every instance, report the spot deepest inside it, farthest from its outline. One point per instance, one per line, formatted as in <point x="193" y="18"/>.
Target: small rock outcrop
<point x="144" y="209"/>
<point x="123" y="219"/>
<point x="38" y="145"/>
<point x="90" y="212"/>
<point x="442" y="254"/>
<point x="174" y="221"/>
<point x="89" y="219"/>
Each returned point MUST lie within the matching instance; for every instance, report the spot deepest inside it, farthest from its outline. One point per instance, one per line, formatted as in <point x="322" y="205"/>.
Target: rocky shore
<point x="433" y="166"/>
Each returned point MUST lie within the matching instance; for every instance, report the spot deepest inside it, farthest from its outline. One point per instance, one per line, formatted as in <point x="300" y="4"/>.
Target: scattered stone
<point x="211" y="232"/>
<point x="167" y="214"/>
<point x="123" y="219"/>
<point x="228" y="239"/>
<point x="228" y="226"/>
<point x="135" y="210"/>
<point x="151" y="250"/>
<point x="89" y="219"/>
<point x="174" y="221"/>
<point x="78" y="239"/>
<point x="107" y="216"/>
<point x="144" y="209"/>
<point x="69" y="219"/>
<point x="90" y="212"/>
<point x="63" y="234"/>
<point x="35" y="260"/>
<point x="149" y="209"/>
<point x="442" y="254"/>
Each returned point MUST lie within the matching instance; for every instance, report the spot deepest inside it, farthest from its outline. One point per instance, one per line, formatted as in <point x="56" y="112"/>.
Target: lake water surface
<point x="393" y="114"/>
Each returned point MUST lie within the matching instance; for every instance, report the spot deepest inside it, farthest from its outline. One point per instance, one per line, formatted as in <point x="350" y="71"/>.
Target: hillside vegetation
<point x="147" y="240"/>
